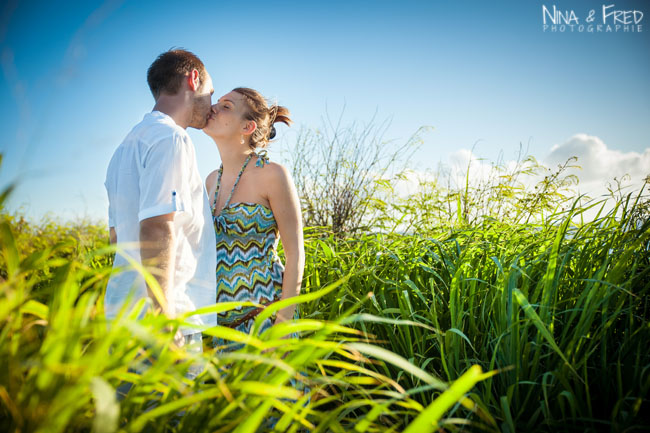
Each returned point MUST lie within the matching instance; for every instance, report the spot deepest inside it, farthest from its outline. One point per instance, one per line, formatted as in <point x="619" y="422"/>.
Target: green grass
<point x="62" y="364"/>
<point x="395" y="335"/>
<point x="560" y="310"/>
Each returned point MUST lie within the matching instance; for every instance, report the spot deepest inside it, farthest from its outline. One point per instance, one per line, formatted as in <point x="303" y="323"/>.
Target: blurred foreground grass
<point x="62" y="365"/>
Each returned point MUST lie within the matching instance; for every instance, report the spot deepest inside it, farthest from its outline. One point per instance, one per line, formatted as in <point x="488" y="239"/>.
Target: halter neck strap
<point x="216" y="192"/>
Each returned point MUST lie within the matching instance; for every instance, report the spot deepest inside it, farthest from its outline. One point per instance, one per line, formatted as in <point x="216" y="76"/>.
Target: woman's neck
<point x="233" y="157"/>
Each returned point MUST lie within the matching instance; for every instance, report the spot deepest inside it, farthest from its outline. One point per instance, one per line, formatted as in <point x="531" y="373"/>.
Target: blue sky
<point x="73" y="79"/>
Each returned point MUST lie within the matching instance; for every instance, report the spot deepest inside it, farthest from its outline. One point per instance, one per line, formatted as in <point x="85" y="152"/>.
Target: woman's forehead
<point x="232" y="97"/>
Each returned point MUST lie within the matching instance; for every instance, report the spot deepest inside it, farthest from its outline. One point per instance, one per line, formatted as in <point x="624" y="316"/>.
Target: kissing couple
<point x="204" y="242"/>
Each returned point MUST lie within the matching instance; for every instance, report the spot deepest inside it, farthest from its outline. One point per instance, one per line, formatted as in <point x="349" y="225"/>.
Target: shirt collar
<point x="162" y="116"/>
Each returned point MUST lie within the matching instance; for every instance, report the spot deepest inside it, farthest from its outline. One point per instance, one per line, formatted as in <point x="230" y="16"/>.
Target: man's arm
<point x="157" y="255"/>
<point x="112" y="236"/>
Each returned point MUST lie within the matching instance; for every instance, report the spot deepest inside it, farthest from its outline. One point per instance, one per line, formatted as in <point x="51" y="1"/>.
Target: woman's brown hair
<point x="263" y="115"/>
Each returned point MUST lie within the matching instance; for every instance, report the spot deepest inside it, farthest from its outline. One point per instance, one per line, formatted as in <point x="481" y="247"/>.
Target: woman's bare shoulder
<point x="275" y="172"/>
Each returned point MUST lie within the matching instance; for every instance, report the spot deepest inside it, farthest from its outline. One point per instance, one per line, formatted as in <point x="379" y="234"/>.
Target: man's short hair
<point x="166" y="73"/>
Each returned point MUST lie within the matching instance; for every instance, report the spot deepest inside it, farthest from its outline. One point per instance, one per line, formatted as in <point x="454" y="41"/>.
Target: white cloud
<point x="600" y="165"/>
<point x="463" y="161"/>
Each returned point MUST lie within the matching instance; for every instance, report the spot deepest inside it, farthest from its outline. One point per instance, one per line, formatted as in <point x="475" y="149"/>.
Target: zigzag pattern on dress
<point x="248" y="268"/>
<point x="265" y="286"/>
<point x="244" y="295"/>
<point x="241" y="253"/>
<point x="237" y="268"/>
<point x="250" y="217"/>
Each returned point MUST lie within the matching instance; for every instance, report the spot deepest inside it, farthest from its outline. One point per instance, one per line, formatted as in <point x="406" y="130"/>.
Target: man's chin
<point x="197" y="125"/>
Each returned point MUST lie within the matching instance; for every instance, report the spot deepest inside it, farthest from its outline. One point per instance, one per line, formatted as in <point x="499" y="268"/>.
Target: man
<point x="158" y="207"/>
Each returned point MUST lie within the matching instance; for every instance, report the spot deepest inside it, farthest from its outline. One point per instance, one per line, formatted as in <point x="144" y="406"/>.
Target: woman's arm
<point x="285" y="205"/>
<point x="211" y="184"/>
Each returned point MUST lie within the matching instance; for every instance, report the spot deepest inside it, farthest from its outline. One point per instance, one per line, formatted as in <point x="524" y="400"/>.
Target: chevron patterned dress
<point x="248" y="268"/>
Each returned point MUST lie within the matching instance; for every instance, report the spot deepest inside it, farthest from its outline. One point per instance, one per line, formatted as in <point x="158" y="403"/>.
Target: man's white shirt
<point x="154" y="172"/>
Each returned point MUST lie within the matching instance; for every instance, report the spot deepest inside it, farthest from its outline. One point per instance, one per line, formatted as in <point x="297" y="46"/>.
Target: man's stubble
<point x="200" y="112"/>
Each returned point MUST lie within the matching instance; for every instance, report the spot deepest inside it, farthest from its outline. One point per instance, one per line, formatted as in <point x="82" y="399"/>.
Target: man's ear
<point x="193" y="80"/>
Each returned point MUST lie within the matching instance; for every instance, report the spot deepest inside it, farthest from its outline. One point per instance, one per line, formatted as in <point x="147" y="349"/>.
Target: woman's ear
<point x="250" y="127"/>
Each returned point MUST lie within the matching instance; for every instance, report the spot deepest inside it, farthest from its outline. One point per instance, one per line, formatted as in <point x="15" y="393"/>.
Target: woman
<point x="253" y="201"/>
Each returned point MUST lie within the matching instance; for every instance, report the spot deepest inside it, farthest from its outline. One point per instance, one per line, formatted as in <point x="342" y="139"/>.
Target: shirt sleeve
<point x="111" y="216"/>
<point x="111" y="205"/>
<point x="163" y="178"/>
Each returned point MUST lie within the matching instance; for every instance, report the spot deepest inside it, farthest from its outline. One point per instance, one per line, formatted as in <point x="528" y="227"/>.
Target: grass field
<point x="491" y="326"/>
